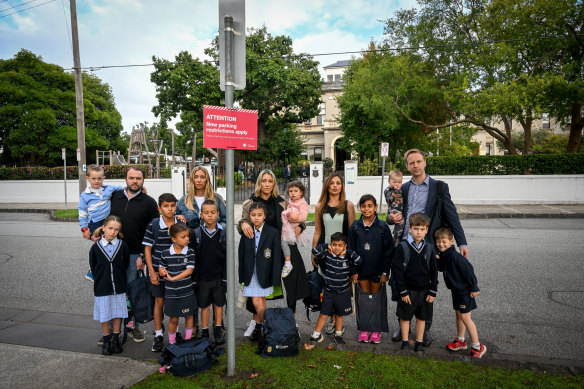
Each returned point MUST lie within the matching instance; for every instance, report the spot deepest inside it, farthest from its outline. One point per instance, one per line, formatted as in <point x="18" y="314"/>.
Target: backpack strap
<point x="197" y="233"/>
<point x="182" y="351"/>
<point x="155" y="229"/>
<point x="406" y="251"/>
<point x="429" y="251"/>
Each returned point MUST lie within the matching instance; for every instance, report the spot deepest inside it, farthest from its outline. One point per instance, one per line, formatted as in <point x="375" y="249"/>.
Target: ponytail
<point x="98" y="233"/>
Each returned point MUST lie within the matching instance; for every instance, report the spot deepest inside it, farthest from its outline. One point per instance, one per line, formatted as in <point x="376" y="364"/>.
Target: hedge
<point x="549" y="164"/>
<point x="56" y="173"/>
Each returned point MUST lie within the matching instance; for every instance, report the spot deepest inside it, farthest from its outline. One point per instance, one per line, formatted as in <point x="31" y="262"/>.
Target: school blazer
<point x="448" y="216"/>
<point x="267" y="260"/>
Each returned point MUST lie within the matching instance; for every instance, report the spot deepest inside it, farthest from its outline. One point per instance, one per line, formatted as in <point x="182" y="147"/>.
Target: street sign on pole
<point x="228" y="128"/>
<point x="235" y="9"/>
<point x="385" y="149"/>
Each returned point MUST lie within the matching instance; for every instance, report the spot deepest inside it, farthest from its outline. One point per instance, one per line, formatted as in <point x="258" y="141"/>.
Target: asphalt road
<point x="530" y="273"/>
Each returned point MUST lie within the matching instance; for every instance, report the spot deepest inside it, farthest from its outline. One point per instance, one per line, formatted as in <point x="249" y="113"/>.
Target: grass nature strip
<point x="322" y="368"/>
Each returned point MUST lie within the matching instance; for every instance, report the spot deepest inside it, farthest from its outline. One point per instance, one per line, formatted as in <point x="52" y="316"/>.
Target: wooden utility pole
<point x="78" y="98"/>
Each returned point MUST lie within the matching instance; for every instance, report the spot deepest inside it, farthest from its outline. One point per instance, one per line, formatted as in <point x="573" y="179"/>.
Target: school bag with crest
<point x="280" y="336"/>
<point x="190" y="357"/>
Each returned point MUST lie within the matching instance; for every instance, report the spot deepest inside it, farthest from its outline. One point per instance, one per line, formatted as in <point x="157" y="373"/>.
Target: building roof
<point x="339" y="64"/>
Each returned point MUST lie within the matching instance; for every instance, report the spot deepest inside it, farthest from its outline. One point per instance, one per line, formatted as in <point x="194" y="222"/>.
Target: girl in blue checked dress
<point x="109" y="258"/>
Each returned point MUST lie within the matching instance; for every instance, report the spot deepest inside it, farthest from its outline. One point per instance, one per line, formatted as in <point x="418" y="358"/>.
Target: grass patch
<point x="67" y="213"/>
<point x="317" y="369"/>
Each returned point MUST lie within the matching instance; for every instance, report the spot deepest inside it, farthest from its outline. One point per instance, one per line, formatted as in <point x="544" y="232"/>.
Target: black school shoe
<point x="219" y="334"/>
<point x="205" y="333"/>
<point x="116" y="346"/>
<point x="257" y="332"/>
<point x="427" y="338"/>
<point x="338" y="339"/>
<point x="419" y="346"/>
<point x="106" y="347"/>
<point x="158" y="344"/>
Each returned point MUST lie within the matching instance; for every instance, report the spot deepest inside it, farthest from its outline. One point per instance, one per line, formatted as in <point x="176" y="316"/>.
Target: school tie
<point x="257" y="239"/>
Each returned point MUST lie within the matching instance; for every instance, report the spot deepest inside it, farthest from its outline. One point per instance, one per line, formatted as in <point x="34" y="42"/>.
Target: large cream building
<point x="323" y="132"/>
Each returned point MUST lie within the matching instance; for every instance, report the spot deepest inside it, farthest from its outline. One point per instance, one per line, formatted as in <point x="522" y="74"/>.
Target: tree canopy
<point x="283" y="86"/>
<point x="38" y="114"/>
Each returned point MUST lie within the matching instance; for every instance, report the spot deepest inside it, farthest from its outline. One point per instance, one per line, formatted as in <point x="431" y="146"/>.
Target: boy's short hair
<point x="337" y="236"/>
<point x="419" y="219"/>
<point x="395" y="173"/>
<point x="367" y="197"/>
<point x="259" y="205"/>
<point x="94" y="168"/>
<point x="443" y="231"/>
<point x="177" y="228"/>
<point x="297" y="184"/>
<point x="209" y="202"/>
<point x="166" y="198"/>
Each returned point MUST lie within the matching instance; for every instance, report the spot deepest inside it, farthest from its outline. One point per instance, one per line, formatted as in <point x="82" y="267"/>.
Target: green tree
<point x="38" y="114"/>
<point x="283" y="86"/>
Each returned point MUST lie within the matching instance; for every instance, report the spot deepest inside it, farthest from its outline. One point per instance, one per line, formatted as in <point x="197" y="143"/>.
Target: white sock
<point x="339" y="333"/>
<point x="159" y="333"/>
<point x="476" y="346"/>
<point x="461" y="339"/>
<point x="315" y="334"/>
<point x="287" y="264"/>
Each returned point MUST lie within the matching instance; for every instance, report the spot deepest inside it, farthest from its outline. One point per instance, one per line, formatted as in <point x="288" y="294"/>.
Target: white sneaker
<point x="286" y="270"/>
<point x="250" y="328"/>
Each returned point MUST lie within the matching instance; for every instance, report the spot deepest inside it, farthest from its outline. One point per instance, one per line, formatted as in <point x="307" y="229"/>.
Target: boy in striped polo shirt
<point x="177" y="264"/>
<point x="337" y="263"/>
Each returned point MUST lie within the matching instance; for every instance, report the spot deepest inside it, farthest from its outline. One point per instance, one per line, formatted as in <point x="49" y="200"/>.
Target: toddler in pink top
<point x="295" y="214"/>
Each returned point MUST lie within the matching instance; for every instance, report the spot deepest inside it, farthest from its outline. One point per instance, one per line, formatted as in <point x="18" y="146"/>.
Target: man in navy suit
<point x="421" y="195"/>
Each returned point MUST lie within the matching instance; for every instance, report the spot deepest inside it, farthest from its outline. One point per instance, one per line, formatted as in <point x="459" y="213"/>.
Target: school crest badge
<point x="267" y="253"/>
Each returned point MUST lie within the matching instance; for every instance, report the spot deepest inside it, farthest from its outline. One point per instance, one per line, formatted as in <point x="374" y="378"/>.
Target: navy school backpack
<point x="191" y="357"/>
<point x="313" y="302"/>
<point x="280" y="336"/>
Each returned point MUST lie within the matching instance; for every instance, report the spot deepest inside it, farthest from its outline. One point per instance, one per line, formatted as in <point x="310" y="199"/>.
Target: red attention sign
<point x="227" y="128"/>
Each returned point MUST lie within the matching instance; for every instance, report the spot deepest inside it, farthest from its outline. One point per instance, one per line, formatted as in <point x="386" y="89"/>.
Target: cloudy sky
<point x="123" y="32"/>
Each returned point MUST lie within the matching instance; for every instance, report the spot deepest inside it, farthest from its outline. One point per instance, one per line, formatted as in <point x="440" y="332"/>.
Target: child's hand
<point x="162" y="271"/>
<point x="144" y="190"/>
<point x="343" y="253"/>
<point x="87" y="234"/>
<point x="406" y="299"/>
<point x="182" y="218"/>
<point x="430" y="299"/>
<point x="474" y="294"/>
<point x="354" y="278"/>
<point x="384" y="279"/>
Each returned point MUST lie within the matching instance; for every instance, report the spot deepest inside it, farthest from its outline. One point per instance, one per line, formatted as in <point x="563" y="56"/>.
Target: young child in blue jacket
<point x="459" y="277"/>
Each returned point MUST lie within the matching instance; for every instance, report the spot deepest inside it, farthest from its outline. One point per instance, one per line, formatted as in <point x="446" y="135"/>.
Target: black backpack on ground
<point x="280" y="336"/>
<point x="191" y="357"/>
<point x="313" y="302"/>
<point x="141" y="300"/>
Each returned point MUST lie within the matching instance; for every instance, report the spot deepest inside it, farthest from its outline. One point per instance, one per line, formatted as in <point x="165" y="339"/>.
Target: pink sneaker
<point x="364" y="337"/>
<point x="375" y="337"/>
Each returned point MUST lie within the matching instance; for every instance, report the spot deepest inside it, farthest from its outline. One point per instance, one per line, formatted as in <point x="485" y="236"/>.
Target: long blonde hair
<point x="98" y="233"/>
<point x="258" y="186"/>
<point x="190" y="197"/>
<point x="325" y="195"/>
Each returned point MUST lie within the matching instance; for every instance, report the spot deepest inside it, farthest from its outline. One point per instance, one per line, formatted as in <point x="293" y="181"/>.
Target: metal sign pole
<point x="230" y="184"/>
<point x="64" y="174"/>
<point x="384" y="154"/>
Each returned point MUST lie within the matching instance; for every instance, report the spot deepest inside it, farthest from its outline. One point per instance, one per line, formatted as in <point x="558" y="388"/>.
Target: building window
<point x="318" y="154"/>
<point x="545" y="120"/>
<point x="320" y="120"/>
<point x="337" y="77"/>
<point x="329" y="78"/>
<point x="488" y="149"/>
<point x="322" y="108"/>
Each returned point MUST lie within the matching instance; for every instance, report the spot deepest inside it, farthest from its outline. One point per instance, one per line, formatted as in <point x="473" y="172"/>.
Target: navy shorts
<point x="210" y="292"/>
<point x="94" y="225"/>
<point x="181" y="306"/>
<point x="461" y="301"/>
<point x="337" y="303"/>
<point x="419" y="307"/>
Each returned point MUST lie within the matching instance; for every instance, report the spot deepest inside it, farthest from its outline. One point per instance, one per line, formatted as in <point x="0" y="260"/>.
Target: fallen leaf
<point x="308" y="346"/>
<point x="253" y="375"/>
<point x="313" y="366"/>
<point x="351" y="354"/>
<point x="330" y="348"/>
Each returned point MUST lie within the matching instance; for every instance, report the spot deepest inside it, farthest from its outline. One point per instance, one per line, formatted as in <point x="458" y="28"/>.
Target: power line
<point x="386" y="49"/>
<point x="26" y="9"/>
<point x="67" y="25"/>
<point x="18" y="5"/>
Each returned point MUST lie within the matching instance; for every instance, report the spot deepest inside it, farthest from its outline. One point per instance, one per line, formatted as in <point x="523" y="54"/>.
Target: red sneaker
<point x="364" y="337"/>
<point x="456" y="345"/>
<point x="375" y="337"/>
<point x="478" y="353"/>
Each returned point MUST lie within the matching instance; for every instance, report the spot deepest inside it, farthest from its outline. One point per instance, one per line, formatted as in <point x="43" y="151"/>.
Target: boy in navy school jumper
<point x="460" y="279"/>
<point x="418" y="282"/>
<point x="209" y="244"/>
<point x="94" y="204"/>
<point x="338" y="264"/>
<point x="177" y="264"/>
<point x="155" y="241"/>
